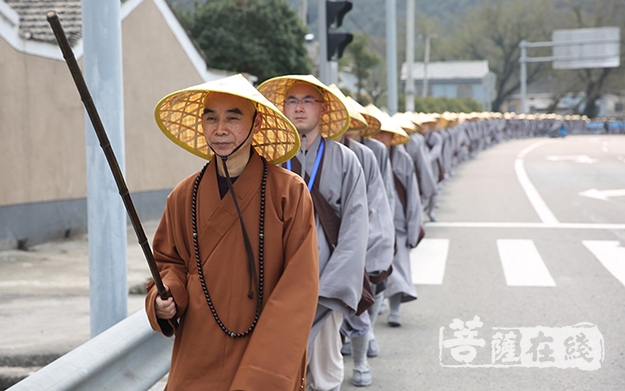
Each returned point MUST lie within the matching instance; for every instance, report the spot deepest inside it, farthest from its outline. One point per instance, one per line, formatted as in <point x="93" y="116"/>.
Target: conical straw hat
<point x="179" y="116"/>
<point x="356" y="120"/>
<point x="388" y="125"/>
<point x="441" y="122"/>
<point x="333" y="123"/>
<point x="404" y="121"/>
<point x="452" y="119"/>
<point x="374" y="123"/>
<point x="422" y="118"/>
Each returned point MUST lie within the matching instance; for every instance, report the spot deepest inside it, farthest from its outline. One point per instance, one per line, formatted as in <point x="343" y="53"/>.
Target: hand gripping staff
<point x="85" y="96"/>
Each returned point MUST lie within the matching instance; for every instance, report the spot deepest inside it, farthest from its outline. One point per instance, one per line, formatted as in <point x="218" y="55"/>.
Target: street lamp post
<point x="409" y="55"/>
<point x="426" y="60"/>
<point x="303" y="11"/>
<point x="523" y="62"/>
<point x="391" y="56"/>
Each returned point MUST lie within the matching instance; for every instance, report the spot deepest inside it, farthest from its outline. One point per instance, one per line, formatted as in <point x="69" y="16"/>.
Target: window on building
<point x="465" y="90"/>
<point x="448" y="90"/>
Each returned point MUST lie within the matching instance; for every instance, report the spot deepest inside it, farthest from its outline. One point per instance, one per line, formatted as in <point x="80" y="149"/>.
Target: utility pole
<point x="426" y="60"/>
<point x="391" y="56"/>
<point x="523" y="62"/>
<point x="409" y="55"/>
<point x="303" y="11"/>
<point x="108" y="284"/>
<point x="331" y="13"/>
<point x="324" y="66"/>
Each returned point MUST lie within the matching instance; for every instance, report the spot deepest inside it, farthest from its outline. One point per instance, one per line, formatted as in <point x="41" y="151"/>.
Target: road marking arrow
<point x="574" y="158"/>
<point x="603" y="194"/>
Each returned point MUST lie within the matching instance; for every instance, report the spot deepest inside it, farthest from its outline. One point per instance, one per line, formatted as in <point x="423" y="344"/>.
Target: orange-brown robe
<point x="273" y="356"/>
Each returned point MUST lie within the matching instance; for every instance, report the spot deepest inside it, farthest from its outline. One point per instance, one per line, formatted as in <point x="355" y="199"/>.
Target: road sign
<point x="586" y="48"/>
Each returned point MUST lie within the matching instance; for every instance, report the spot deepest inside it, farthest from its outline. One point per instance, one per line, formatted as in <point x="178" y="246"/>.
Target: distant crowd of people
<point x="606" y="126"/>
<point x="279" y="253"/>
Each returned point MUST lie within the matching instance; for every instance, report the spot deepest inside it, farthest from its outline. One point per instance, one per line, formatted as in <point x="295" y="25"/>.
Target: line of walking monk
<point x="278" y="254"/>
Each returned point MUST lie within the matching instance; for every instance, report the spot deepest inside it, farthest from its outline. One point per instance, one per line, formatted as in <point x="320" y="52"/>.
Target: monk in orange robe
<point x="236" y="246"/>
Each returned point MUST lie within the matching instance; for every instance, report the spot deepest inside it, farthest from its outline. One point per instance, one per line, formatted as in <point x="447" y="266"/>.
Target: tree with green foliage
<point x="262" y="37"/>
<point x="441" y="104"/>
<point x="360" y="60"/>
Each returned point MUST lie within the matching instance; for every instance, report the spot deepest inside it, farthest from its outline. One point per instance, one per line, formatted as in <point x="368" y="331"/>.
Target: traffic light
<point x="335" y="11"/>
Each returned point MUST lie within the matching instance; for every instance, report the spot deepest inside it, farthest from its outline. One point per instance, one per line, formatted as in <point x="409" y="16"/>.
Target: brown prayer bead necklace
<point x="260" y="249"/>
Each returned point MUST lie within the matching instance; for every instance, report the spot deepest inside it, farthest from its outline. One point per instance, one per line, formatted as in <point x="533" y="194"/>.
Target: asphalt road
<point x="517" y="245"/>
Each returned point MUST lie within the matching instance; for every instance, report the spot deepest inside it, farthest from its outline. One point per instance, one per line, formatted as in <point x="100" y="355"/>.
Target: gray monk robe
<point x="342" y="185"/>
<point x="381" y="238"/>
<point x="381" y="154"/>
<point x="381" y="229"/>
<point x="448" y="149"/>
<point x="419" y="152"/>
<point x="408" y="222"/>
<point x="434" y="142"/>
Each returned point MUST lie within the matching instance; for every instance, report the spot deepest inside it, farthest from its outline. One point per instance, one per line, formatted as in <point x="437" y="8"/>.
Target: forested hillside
<point x="368" y="16"/>
<point x="480" y="30"/>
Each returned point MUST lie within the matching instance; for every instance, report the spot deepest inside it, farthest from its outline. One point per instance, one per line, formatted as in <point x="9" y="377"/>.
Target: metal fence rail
<point x="128" y="356"/>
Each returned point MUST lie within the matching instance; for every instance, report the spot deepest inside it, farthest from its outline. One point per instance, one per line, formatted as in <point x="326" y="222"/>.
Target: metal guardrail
<point x="128" y="356"/>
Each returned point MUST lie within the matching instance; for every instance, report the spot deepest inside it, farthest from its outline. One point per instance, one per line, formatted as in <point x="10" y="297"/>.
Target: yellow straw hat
<point x="333" y="123"/>
<point x="441" y="122"/>
<point x="451" y="119"/>
<point x="422" y="118"/>
<point x="179" y="116"/>
<point x="404" y="121"/>
<point x="374" y="123"/>
<point x="356" y="119"/>
<point x="389" y="125"/>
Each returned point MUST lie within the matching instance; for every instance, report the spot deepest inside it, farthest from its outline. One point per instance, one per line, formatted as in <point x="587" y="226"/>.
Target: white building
<point x="454" y="79"/>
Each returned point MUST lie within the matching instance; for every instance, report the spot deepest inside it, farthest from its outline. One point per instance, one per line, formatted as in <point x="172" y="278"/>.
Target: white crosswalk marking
<point x="611" y="255"/>
<point x="522" y="264"/>
<point x="427" y="261"/>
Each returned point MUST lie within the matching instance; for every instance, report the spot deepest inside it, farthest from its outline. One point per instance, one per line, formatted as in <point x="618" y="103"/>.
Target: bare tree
<point x="594" y="83"/>
<point x="494" y="30"/>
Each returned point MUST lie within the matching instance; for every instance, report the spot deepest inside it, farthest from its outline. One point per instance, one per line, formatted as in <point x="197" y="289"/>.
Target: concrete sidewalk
<point x="45" y="301"/>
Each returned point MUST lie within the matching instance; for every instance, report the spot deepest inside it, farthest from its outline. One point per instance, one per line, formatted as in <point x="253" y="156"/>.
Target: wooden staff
<point x="85" y="96"/>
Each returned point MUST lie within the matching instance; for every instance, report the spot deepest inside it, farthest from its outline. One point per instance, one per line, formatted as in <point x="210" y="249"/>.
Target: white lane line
<point x="523" y="225"/>
<point x="531" y="147"/>
<point x="611" y="255"/>
<point x="44" y="284"/>
<point x="428" y="261"/>
<point x="522" y="264"/>
<point x="541" y="208"/>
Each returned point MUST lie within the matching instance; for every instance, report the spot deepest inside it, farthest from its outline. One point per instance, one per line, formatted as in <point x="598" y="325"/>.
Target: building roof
<point x="448" y="70"/>
<point x="33" y="24"/>
<point x="24" y="26"/>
